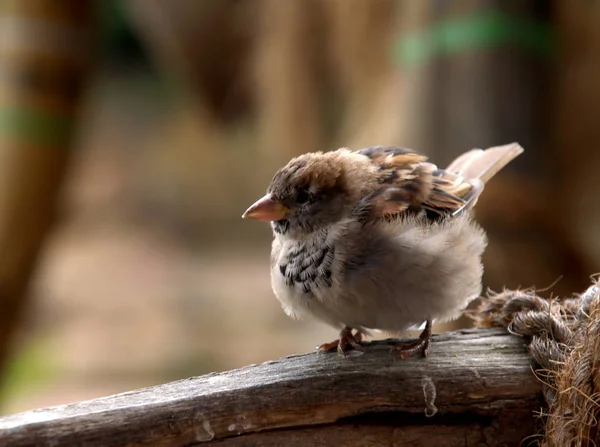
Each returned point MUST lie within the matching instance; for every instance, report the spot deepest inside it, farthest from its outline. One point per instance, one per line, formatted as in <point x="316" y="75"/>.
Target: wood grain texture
<point x="479" y="384"/>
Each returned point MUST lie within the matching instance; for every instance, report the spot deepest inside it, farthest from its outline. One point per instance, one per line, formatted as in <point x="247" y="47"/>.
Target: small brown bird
<point x="377" y="239"/>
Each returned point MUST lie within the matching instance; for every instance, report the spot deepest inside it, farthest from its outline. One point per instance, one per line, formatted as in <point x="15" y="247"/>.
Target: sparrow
<point x="378" y="239"/>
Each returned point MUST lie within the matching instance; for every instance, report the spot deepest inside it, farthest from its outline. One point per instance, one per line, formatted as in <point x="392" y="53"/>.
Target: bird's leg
<point x="346" y="338"/>
<point x="421" y="345"/>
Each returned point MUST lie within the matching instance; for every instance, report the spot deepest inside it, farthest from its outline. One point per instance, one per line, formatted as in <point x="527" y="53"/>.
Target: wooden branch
<point x="475" y="387"/>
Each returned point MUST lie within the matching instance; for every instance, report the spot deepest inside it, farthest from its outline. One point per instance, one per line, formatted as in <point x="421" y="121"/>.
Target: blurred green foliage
<point x="31" y="367"/>
<point x="116" y="39"/>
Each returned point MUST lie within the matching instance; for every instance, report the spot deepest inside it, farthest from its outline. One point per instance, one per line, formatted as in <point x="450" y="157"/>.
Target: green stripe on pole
<point x="478" y="31"/>
<point x="35" y="126"/>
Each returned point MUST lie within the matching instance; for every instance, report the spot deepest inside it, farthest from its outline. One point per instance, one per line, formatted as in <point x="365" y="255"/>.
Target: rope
<point x="564" y="341"/>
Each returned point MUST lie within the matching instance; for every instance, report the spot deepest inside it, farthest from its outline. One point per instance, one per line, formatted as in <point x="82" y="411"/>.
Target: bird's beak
<point x="267" y="209"/>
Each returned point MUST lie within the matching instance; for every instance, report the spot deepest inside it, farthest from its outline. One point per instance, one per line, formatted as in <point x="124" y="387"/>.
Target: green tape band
<point x="482" y="30"/>
<point x="35" y="126"/>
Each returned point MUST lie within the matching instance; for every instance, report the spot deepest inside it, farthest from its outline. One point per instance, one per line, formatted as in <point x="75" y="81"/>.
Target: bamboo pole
<point x="43" y="50"/>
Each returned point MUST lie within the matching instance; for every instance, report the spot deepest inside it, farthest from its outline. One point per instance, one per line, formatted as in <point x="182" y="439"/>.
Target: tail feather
<point x="484" y="164"/>
<point x="472" y="170"/>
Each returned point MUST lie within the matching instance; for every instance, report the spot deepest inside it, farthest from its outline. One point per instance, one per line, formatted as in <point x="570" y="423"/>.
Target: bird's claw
<point x="406" y="350"/>
<point x="421" y="345"/>
<point x="347" y="338"/>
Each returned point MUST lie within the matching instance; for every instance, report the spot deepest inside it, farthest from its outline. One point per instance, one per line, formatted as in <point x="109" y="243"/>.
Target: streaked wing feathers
<point x="409" y="183"/>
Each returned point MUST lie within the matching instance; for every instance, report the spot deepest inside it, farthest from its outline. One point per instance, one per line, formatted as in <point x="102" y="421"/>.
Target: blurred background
<point x="134" y="133"/>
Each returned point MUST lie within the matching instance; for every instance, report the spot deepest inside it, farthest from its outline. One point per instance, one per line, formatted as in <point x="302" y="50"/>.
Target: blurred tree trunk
<point x="577" y="130"/>
<point x="360" y="36"/>
<point x="204" y="47"/>
<point x="236" y="57"/>
<point x="289" y="56"/>
<point x="43" y="49"/>
<point x="480" y="75"/>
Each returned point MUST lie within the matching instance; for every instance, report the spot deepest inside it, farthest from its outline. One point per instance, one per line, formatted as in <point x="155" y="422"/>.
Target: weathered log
<point x="476" y="387"/>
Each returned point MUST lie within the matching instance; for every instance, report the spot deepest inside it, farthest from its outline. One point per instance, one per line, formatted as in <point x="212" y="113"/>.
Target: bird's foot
<point x="347" y="338"/>
<point x="421" y="345"/>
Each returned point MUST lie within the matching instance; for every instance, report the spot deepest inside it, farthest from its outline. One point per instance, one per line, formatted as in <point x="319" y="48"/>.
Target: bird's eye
<point x="303" y="196"/>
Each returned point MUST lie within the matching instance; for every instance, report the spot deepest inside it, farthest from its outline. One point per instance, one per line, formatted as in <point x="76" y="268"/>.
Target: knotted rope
<point x="564" y="340"/>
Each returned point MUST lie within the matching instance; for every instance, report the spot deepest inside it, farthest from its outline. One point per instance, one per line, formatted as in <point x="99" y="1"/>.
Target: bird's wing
<point x="409" y="183"/>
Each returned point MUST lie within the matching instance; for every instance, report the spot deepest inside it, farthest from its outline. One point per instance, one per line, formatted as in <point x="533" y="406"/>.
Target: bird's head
<point x="313" y="191"/>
